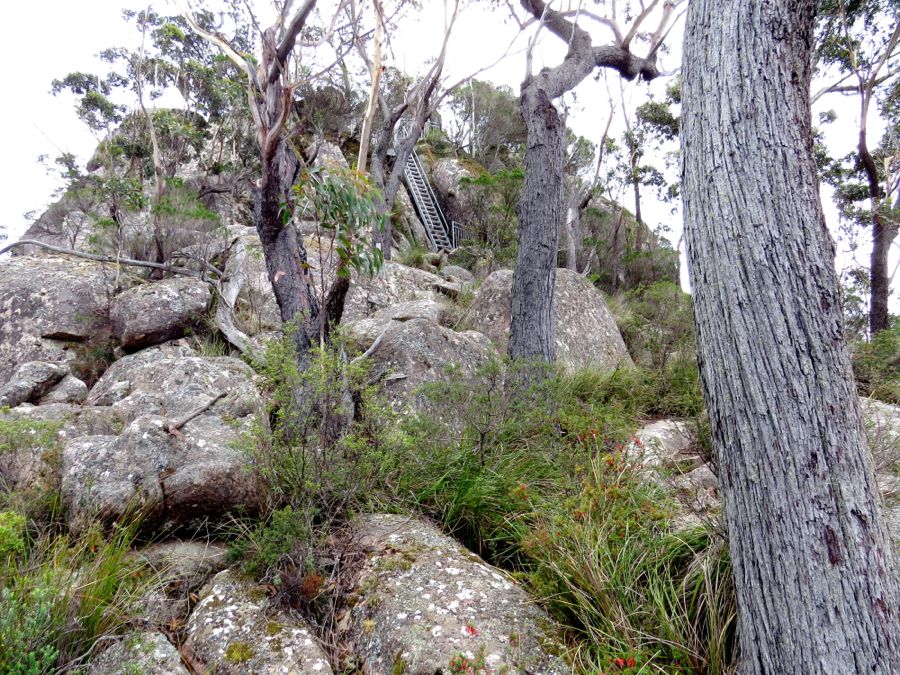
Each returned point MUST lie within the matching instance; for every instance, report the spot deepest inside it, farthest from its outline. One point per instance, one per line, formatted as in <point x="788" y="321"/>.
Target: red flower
<point x="620" y="663"/>
<point x="630" y="662"/>
<point x="471" y="630"/>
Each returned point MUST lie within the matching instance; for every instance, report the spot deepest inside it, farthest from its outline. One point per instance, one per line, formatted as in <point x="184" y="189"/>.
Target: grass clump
<point x="876" y="364"/>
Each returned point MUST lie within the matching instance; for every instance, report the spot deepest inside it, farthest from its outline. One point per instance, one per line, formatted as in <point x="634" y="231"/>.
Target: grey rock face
<point x="145" y="652"/>
<point x="457" y="273"/>
<point x="585" y="335"/>
<point x="153" y="313"/>
<point x="445" y="176"/>
<point x="69" y="390"/>
<point x="172" y="479"/>
<point x="234" y="631"/>
<point x="30" y="382"/>
<point x="46" y="302"/>
<point x="171" y="380"/>
<point x="181" y="568"/>
<point x="424" y="600"/>
<point x="418" y="352"/>
<point x="395" y="284"/>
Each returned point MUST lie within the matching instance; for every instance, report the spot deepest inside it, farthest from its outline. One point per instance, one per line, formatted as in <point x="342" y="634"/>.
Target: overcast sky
<point x="45" y="40"/>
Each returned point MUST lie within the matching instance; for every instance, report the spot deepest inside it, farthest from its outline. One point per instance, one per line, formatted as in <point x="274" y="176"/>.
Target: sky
<point x="71" y="33"/>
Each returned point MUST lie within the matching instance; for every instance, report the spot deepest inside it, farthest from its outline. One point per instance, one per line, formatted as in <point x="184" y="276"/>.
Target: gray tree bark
<point x="541" y="205"/>
<point x="813" y="565"/>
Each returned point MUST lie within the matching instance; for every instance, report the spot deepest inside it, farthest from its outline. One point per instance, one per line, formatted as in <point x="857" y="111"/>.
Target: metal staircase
<point x="441" y="234"/>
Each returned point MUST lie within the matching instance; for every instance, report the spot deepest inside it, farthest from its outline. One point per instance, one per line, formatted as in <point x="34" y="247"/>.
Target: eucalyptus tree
<point x="861" y="40"/>
<point x="270" y="82"/>
<point x="813" y="564"/>
<point x="541" y="206"/>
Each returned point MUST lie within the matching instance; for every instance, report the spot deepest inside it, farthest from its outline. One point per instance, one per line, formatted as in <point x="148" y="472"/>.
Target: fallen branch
<point x="228" y="288"/>
<point x="371" y="350"/>
<point x="101" y="258"/>
<point x="173" y="427"/>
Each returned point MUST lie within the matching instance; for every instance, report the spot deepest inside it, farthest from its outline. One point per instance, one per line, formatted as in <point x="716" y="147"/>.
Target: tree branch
<point x="102" y="258"/>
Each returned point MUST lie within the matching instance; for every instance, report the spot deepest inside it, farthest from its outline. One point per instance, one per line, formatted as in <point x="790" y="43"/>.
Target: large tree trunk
<point x="540" y="212"/>
<point x="813" y="565"/>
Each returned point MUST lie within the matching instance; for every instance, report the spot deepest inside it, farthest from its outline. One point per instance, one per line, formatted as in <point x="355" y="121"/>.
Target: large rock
<point x="48" y="302"/>
<point x="170" y="478"/>
<point x="158" y="312"/>
<point x="423" y="600"/>
<point x="32" y="467"/>
<point x="418" y="352"/>
<point x="233" y="630"/>
<point x="409" y="224"/>
<point x="179" y="569"/>
<point x="171" y="380"/>
<point x="459" y="204"/>
<point x="30" y="382"/>
<point x="173" y="477"/>
<point x="585" y="333"/>
<point x="882" y="423"/>
<point x="144" y="652"/>
<point x="395" y="284"/>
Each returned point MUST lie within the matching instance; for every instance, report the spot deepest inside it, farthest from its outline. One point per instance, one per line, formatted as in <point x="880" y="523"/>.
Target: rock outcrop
<point x="233" y="630"/>
<point x="425" y="601"/>
<point x="48" y="303"/>
<point x="154" y="313"/>
<point x="418" y="352"/>
<point x="178" y="459"/>
<point x="586" y="333"/>
<point x="144" y="652"/>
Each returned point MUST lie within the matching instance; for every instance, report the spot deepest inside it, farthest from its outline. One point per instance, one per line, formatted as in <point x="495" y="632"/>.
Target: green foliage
<point x="343" y="203"/>
<point x="657" y="324"/>
<point x="319" y="467"/>
<point x="12" y="535"/>
<point x="25" y="434"/>
<point x="493" y="200"/>
<point x="876" y="365"/>
<point x="487" y="124"/>
<point x="60" y="595"/>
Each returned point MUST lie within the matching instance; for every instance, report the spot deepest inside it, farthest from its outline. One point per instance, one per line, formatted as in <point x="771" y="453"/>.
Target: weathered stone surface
<point x="172" y="479"/>
<point x="144" y="652"/>
<point x="457" y="273"/>
<point x="69" y="390"/>
<point x="329" y="156"/>
<point x="414" y="309"/>
<point x="30" y="382"/>
<point x="46" y="302"/>
<point x="395" y="284"/>
<point x="153" y="313"/>
<point x="418" y="352"/>
<point x="458" y="203"/>
<point x="423" y="599"/>
<point x="664" y="444"/>
<point x="180" y="568"/>
<point x="585" y="333"/>
<point x="171" y="380"/>
<point x="409" y="220"/>
<point x="233" y="630"/>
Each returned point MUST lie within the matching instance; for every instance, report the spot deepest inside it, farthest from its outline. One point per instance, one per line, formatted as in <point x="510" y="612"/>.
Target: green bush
<point x="657" y="325"/>
<point x="876" y="364"/>
<point x="61" y="594"/>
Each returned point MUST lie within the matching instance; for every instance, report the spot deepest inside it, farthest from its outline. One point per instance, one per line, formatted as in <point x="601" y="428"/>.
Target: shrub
<point x="657" y="325"/>
<point x="876" y="365"/>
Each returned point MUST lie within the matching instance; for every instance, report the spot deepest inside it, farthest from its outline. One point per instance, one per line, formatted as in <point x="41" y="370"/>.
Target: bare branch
<point x="102" y="258"/>
<point x="287" y="42"/>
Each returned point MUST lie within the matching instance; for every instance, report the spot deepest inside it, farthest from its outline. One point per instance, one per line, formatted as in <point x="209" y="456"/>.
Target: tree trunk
<point x="285" y="255"/>
<point x="882" y="237"/>
<point x="813" y="565"/>
<point x="540" y="207"/>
